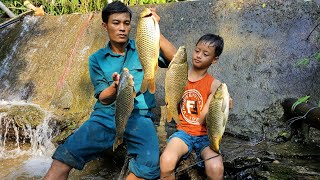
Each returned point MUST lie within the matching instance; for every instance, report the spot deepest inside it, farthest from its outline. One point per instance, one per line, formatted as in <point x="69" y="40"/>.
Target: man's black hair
<point x="215" y="40"/>
<point x="114" y="7"/>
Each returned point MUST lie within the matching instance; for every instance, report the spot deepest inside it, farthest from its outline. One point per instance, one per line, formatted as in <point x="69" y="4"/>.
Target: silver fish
<point x="124" y="105"/>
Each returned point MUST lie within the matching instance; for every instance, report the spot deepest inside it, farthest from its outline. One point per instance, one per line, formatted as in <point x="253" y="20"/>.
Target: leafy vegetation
<point x="299" y="101"/>
<point x="305" y="61"/>
<point x="59" y="7"/>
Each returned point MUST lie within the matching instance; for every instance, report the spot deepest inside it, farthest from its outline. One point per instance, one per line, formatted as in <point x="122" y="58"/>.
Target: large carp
<point x="175" y="82"/>
<point x="217" y="116"/>
<point x="124" y="105"/>
<point x="148" y="46"/>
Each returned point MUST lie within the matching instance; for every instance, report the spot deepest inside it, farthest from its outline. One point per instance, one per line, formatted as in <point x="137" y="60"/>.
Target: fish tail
<point x="152" y="86"/>
<point x="215" y="146"/>
<point x="144" y="85"/>
<point x="117" y="142"/>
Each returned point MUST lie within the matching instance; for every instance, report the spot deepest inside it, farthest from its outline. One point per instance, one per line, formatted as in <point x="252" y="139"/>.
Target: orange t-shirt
<point x="194" y="98"/>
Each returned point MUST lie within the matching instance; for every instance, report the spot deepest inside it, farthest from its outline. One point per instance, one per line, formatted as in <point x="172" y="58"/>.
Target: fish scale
<point x="148" y="47"/>
<point x="175" y="82"/>
<point x="124" y="105"/>
<point x="217" y="116"/>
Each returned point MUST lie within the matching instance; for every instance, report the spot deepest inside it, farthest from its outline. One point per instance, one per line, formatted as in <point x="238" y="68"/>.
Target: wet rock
<point x="23" y="115"/>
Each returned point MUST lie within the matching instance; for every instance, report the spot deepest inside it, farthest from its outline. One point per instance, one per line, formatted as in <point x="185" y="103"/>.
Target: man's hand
<point x="115" y="78"/>
<point x="230" y="103"/>
<point x="153" y="11"/>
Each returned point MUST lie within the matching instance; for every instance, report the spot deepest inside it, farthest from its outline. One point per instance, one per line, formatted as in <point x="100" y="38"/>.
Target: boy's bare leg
<point x="131" y="176"/>
<point x="213" y="167"/>
<point x="58" y="171"/>
<point x="174" y="150"/>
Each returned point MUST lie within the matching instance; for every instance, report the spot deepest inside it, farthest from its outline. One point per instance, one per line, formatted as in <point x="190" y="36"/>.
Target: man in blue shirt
<point x="98" y="132"/>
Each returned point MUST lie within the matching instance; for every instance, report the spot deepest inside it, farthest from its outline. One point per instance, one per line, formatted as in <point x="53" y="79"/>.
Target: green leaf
<point x="299" y="101"/>
<point x="303" y="62"/>
<point x="317" y="56"/>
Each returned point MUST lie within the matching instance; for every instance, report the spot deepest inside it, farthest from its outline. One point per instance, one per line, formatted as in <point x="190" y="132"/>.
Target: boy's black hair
<point x="214" y="40"/>
<point x="114" y="7"/>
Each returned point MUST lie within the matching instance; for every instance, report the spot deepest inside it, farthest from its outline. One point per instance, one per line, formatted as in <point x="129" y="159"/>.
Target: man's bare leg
<point x="58" y="171"/>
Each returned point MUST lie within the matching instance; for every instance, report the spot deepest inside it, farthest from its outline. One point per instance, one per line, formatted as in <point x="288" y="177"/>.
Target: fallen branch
<point x="306" y="112"/>
<point x="6" y="10"/>
<point x="15" y="19"/>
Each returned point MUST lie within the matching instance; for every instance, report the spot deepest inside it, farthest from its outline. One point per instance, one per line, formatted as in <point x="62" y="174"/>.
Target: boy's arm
<point x="214" y="86"/>
<point x="205" y="109"/>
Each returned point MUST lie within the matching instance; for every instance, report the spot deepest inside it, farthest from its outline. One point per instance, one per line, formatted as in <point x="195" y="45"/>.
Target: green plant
<point x="299" y="101"/>
<point x="305" y="61"/>
<point x="59" y="7"/>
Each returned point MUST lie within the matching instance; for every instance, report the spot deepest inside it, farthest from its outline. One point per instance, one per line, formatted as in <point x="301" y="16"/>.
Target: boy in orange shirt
<point x="192" y="131"/>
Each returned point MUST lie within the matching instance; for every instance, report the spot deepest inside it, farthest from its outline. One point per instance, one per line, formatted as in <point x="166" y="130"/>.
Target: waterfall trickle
<point x="24" y="140"/>
<point x="5" y="65"/>
<point x="18" y="134"/>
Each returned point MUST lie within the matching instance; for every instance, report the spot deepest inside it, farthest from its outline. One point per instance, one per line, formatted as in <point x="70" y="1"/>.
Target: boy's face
<point x="204" y="55"/>
<point x="118" y="27"/>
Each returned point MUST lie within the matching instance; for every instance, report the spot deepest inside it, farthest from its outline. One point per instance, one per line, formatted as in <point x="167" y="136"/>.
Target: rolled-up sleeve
<point x="162" y="62"/>
<point x="97" y="77"/>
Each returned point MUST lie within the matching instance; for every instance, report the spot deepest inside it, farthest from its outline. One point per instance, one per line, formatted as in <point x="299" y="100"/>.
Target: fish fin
<point x="216" y="144"/>
<point x="144" y="85"/>
<point x="169" y="115"/>
<point x="163" y="117"/>
<point x="156" y="66"/>
<point x="116" y="143"/>
<point x="176" y="119"/>
<point x="224" y="105"/>
<point x="134" y="93"/>
<point x="224" y="121"/>
<point x="152" y="86"/>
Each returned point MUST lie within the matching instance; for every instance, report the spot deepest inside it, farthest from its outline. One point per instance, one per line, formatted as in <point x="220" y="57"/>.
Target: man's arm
<point x="108" y="95"/>
<point x="105" y="92"/>
<point x="167" y="48"/>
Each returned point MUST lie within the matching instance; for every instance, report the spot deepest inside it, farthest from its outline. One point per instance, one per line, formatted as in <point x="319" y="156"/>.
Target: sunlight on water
<point x="25" y="152"/>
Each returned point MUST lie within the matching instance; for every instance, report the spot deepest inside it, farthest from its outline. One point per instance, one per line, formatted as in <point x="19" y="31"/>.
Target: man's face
<point x="118" y="27"/>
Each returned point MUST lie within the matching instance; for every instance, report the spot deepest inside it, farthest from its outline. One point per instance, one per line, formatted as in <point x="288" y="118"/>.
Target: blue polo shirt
<point x="103" y="63"/>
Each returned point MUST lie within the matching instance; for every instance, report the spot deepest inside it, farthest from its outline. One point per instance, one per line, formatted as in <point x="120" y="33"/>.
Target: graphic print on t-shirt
<point x="191" y="106"/>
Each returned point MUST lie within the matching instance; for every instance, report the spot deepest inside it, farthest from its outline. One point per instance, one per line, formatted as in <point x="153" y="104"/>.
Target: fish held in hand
<point x="148" y="47"/>
<point x="124" y="105"/>
<point x="175" y="82"/>
<point x="217" y="116"/>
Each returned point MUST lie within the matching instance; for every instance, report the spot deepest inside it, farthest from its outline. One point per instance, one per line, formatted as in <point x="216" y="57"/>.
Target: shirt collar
<point x="108" y="51"/>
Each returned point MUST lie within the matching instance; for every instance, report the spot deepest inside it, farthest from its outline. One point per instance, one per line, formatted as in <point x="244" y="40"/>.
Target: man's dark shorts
<point x="97" y="134"/>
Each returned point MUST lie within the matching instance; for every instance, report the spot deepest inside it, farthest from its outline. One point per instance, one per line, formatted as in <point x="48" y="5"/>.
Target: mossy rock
<point x="24" y="114"/>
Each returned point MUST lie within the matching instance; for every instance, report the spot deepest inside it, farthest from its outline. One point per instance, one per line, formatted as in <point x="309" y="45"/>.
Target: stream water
<point x="25" y="152"/>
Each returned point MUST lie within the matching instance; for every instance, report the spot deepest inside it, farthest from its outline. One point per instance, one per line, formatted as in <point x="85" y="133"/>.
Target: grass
<point x="59" y="7"/>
